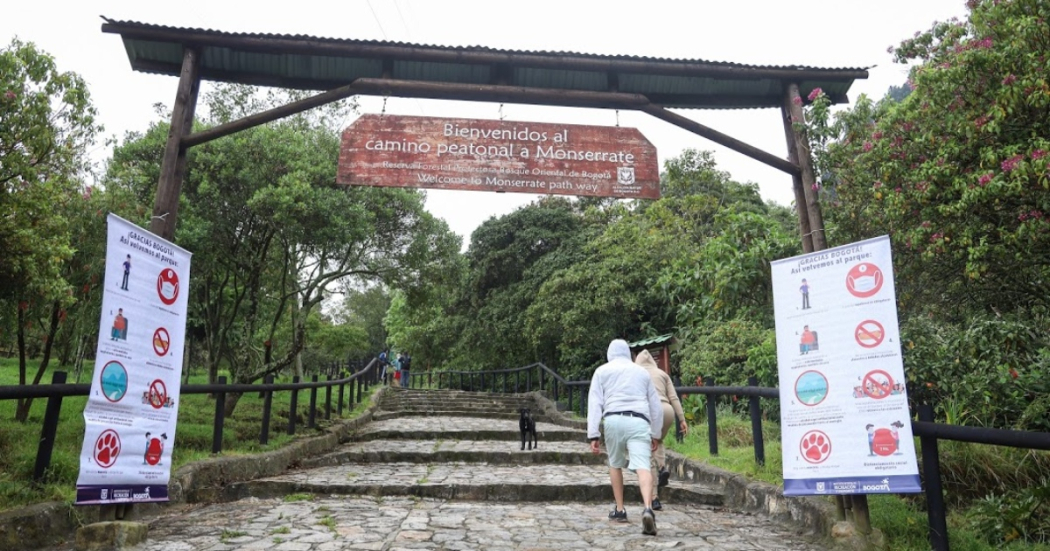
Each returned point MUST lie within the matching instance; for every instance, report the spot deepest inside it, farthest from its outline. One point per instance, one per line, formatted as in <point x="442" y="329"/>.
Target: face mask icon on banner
<point x="864" y="283"/>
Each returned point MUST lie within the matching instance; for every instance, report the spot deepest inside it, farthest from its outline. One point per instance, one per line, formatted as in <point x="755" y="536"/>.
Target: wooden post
<point x="796" y="179"/>
<point x="793" y="103"/>
<point x="173" y="163"/>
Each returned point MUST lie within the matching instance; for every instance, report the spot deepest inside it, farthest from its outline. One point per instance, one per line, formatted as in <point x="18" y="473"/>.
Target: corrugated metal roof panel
<point x="309" y="62"/>
<point x="137" y="24"/>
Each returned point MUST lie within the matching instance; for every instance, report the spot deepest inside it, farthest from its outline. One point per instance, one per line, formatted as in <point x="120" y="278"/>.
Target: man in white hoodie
<point x="622" y="396"/>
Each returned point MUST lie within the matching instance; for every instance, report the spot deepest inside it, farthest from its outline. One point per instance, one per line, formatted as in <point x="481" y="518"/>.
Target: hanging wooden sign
<point x="490" y="155"/>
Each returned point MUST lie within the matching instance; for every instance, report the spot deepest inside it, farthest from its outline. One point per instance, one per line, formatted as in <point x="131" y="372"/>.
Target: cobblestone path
<point x="444" y="470"/>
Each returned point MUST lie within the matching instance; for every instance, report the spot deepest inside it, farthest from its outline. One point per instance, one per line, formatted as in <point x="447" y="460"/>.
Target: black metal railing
<point x="366" y="376"/>
<point x="929" y="432"/>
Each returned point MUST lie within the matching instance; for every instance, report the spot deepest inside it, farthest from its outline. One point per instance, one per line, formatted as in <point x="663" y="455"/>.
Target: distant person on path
<point x="127" y="273"/>
<point x="623" y="398"/>
<point x="383" y="363"/>
<point x="672" y="408"/>
<point x="406" y="366"/>
<point x="804" y="289"/>
<point x="396" y="362"/>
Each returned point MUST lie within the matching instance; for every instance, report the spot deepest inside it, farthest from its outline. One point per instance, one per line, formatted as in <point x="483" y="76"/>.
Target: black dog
<point x="528" y="428"/>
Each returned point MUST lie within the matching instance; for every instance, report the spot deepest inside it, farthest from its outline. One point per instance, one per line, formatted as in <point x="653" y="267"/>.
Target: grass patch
<point x="231" y="534"/>
<point x="327" y="522"/>
<point x="735" y="447"/>
<point x="281" y="530"/>
<point x="192" y="441"/>
<point x="290" y="498"/>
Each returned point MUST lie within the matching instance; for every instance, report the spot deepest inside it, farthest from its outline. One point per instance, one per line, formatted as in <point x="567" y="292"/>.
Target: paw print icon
<point x="815" y="446"/>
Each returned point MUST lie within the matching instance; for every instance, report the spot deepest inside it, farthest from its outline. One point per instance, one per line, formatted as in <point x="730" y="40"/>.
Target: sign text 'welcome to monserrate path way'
<point x="488" y="155"/>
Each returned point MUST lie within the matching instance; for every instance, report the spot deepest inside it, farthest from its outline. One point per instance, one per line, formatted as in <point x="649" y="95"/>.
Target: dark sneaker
<point x="618" y="516"/>
<point x="657" y="506"/>
<point x="665" y="478"/>
<point x="649" y="522"/>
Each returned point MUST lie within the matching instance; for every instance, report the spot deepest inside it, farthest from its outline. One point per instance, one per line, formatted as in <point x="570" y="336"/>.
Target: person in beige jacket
<point x="671" y="404"/>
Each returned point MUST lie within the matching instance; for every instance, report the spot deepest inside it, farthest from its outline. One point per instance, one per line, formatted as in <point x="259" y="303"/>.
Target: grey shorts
<point x="628" y="442"/>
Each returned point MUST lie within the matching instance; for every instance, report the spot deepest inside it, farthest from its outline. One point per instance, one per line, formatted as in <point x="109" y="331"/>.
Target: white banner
<point x="133" y="405"/>
<point x="845" y="423"/>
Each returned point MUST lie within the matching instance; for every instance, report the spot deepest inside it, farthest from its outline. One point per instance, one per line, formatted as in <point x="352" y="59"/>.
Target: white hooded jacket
<point x="622" y="385"/>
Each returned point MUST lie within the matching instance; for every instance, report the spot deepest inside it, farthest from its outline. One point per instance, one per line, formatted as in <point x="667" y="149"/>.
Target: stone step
<point x="463" y="481"/>
<point x="462" y="428"/>
<point x="522" y="402"/>
<point x="384" y="414"/>
<point x="429" y="452"/>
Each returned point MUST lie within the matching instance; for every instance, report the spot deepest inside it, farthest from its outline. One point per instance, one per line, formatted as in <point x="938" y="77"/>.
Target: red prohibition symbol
<point x="168" y="286"/>
<point x="877" y="384"/>
<point x="161" y="341"/>
<point x="869" y="333"/>
<point x="864" y="280"/>
<point x="158" y="394"/>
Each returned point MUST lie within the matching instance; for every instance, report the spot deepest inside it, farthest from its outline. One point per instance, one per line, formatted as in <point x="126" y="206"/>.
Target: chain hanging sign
<point x="492" y="155"/>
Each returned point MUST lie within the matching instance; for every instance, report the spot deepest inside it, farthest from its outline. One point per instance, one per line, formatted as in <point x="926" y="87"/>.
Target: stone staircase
<point x="465" y="445"/>
<point x="438" y="469"/>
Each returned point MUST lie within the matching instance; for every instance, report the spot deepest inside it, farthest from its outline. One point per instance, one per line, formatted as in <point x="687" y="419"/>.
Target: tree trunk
<point x="22" y="411"/>
<point x="231" y="403"/>
<point x="186" y="351"/>
<point x="298" y="366"/>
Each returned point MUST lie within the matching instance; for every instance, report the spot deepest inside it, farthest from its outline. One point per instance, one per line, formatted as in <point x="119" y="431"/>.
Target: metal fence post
<point x="339" y="404"/>
<point x="220" y="418"/>
<point x="328" y="399"/>
<point x="931" y="468"/>
<point x="312" y="419"/>
<point x="583" y="403"/>
<point x="360" y="392"/>
<point x="264" y="433"/>
<point x="48" y="431"/>
<point x="712" y="420"/>
<point x="293" y="407"/>
<point x="756" y="424"/>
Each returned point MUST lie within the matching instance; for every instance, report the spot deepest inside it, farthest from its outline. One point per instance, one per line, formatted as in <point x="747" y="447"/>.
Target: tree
<point x="957" y="175"/>
<point x="957" y="172"/>
<point x="46" y="123"/>
<point x="366" y="309"/>
<point x="273" y="235"/>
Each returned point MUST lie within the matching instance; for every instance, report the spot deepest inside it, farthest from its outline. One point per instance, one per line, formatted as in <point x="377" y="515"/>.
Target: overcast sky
<point x="821" y="33"/>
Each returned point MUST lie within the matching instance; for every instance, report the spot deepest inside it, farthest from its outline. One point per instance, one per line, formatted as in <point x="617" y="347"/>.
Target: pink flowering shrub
<point x="969" y="165"/>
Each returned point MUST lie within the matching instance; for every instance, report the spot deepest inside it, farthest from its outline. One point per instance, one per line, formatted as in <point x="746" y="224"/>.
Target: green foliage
<point x="991" y="371"/>
<point x="47" y="122"/>
<point x="956" y="174"/>
<point x="273" y="236"/>
<point x="1022" y="515"/>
